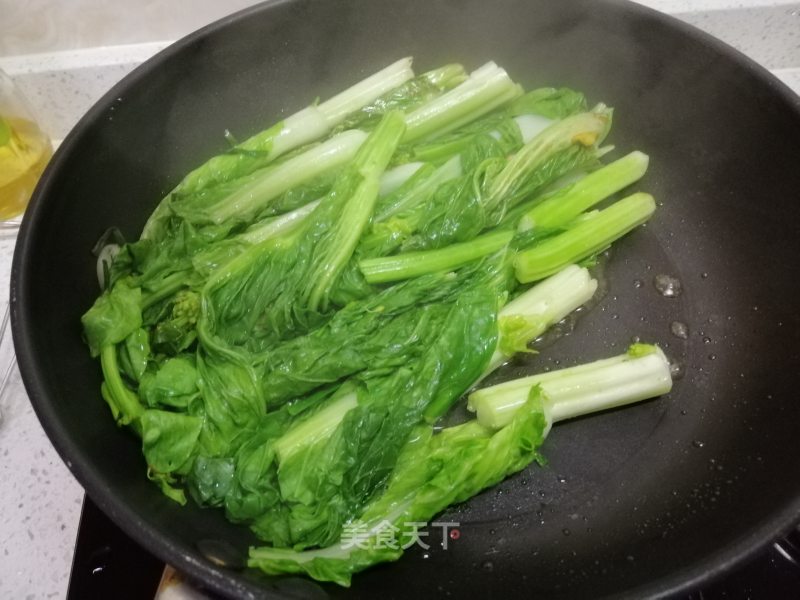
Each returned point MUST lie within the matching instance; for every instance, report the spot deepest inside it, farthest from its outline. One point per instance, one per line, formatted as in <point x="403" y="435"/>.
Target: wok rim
<point x="149" y="537"/>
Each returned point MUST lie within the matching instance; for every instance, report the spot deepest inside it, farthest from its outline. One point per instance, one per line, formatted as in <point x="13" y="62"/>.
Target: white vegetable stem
<point x="531" y="125"/>
<point x="320" y="425"/>
<point x="313" y="122"/>
<point x="422" y="192"/>
<point x="394" y="178"/>
<point x="545" y="304"/>
<point x="390" y="181"/>
<point x="484" y="90"/>
<point x="275" y="226"/>
<point x="359" y="95"/>
<point x="255" y="195"/>
<point x="642" y="372"/>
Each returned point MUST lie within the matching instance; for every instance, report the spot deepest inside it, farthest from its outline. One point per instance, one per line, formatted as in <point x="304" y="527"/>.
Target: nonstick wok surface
<point x="644" y="501"/>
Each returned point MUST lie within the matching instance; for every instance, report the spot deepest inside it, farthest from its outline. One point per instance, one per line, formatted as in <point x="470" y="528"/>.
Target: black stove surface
<point x="108" y="564"/>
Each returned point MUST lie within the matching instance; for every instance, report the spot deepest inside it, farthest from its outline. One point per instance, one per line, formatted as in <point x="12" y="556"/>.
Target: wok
<point x="645" y="501"/>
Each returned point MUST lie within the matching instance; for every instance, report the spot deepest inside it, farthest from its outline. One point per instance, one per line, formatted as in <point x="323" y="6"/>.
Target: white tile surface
<point x="770" y="35"/>
<point x="39" y="499"/>
<point x="62" y="86"/>
<point x="684" y="6"/>
<point x="31" y="26"/>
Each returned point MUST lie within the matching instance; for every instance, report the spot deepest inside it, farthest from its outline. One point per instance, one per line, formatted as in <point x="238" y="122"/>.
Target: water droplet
<point x="698" y="444"/>
<point x="706" y="340"/>
<point x="668" y="286"/>
<point x="426" y="556"/>
<point x="565" y="531"/>
<point x="636" y="339"/>
<point x="712" y="357"/>
<point x="615" y="316"/>
<point x="561" y="479"/>
<point x="755" y="308"/>
<point x="684" y="412"/>
<point x="637" y="283"/>
<point x="630" y="558"/>
<point x="541" y="493"/>
<point x="488" y="566"/>
<point x="703" y="275"/>
<point x="679" y="329"/>
<point x="492" y="532"/>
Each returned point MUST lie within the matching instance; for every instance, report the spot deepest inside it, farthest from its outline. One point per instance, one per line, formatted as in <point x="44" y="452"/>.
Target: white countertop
<point x="40" y="501"/>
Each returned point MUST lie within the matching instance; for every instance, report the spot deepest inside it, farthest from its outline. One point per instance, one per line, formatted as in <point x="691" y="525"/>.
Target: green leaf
<point x="515" y="333"/>
<point x="211" y="479"/>
<point x="433" y="472"/>
<point x="231" y="402"/>
<point x="173" y="384"/>
<point x="134" y="354"/>
<point x="281" y="288"/>
<point x="167" y="484"/>
<point x="169" y="439"/>
<point x="113" y="317"/>
<point x="336" y="460"/>
<point x="549" y="102"/>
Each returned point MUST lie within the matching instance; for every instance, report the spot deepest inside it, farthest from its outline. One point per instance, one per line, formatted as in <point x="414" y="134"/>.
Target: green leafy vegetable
<point x="438" y="470"/>
<point x="115" y="315"/>
<point x="583" y="239"/>
<point x="303" y="311"/>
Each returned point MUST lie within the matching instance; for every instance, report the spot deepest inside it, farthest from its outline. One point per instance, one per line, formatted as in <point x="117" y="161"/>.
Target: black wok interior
<point x="642" y="501"/>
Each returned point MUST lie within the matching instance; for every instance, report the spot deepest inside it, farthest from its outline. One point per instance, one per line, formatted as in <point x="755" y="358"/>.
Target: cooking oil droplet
<point x="426" y="556"/>
<point x="565" y="531"/>
<point x="680" y="330"/>
<point x="636" y="339"/>
<point x="712" y="357"/>
<point x="221" y="553"/>
<point x="698" y="444"/>
<point x="706" y="340"/>
<point x="668" y="286"/>
<point x="637" y="283"/>
<point x="676" y="369"/>
<point x="488" y="566"/>
<point x="703" y="275"/>
<point x="561" y="479"/>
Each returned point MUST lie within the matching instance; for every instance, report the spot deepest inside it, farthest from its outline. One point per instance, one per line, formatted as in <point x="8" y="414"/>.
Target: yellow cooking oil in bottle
<point x="24" y="152"/>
